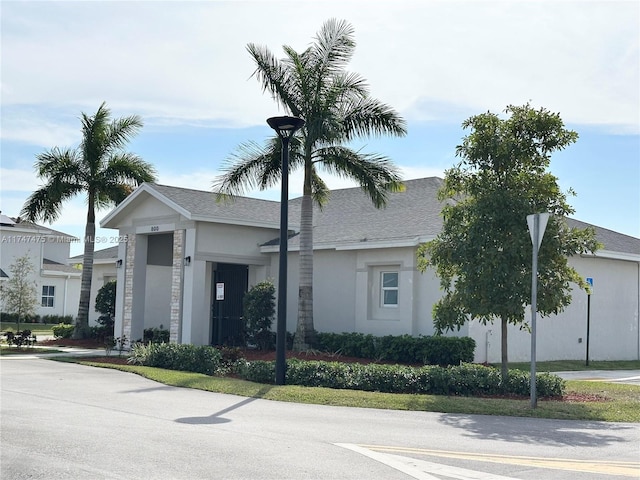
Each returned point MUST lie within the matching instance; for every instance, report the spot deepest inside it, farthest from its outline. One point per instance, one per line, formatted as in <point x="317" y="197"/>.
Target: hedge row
<point x="46" y="319"/>
<point x="465" y="379"/>
<point x="402" y="349"/>
<point x="190" y="358"/>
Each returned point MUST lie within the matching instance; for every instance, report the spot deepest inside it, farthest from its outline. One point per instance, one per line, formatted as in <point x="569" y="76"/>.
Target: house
<point x="104" y="271"/>
<point x="187" y="259"/>
<point x="58" y="283"/>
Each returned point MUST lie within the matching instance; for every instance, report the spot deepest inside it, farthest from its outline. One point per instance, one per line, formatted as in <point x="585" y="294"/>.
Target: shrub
<point x="155" y="335"/>
<point x="20" y="339"/>
<point x="259" y="308"/>
<point x="426" y="350"/>
<point x="62" y="330"/>
<point x="189" y="358"/>
<point x="466" y="379"/>
<point x="54" y="319"/>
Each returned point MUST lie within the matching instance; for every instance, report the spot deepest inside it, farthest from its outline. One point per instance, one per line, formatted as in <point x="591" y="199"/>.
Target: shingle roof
<point x="612" y="241"/>
<point x="350" y="216"/>
<point x="205" y="204"/>
<point x="104" y="254"/>
<point x="350" y="219"/>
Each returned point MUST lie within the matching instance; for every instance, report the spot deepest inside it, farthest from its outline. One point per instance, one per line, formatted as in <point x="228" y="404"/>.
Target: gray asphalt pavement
<point x="67" y="421"/>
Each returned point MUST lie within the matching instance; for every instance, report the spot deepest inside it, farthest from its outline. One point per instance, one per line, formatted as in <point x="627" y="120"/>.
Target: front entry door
<point x="230" y="283"/>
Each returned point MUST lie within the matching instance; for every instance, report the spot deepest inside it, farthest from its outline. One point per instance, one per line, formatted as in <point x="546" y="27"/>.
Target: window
<point x="48" y="293"/>
<point x="389" y="289"/>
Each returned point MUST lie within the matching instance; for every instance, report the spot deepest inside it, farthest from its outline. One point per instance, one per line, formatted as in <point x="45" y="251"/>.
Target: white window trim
<point x="51" y="296"/>
<point x="384" y="289"/>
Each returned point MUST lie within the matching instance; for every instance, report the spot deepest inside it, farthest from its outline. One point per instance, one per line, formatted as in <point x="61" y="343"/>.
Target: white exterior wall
<point x="18" y="242"/>
<point x="614" y="327"/>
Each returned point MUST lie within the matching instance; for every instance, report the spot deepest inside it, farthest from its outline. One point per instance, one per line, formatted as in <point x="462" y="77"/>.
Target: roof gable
<point x="200" y="205"/>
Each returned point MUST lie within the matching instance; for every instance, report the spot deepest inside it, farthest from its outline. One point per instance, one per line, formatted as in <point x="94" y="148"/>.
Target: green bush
<point x="62" y="330"/>
<point x="189" y="358"/>
<point x="20" y="339"/>
<point x="259" y="309"/>
<point x="405" y="349"/>
<point x="465" y="379"/>
<point x="56" y="319"/>
<point x="155" y="335"/>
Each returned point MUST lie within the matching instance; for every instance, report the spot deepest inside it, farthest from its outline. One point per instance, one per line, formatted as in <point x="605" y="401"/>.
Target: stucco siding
<point x="613" y="332"/>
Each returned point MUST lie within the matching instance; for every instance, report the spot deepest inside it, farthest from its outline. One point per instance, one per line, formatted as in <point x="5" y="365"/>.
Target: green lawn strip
<point x="36" y="328"/>
<point x="622" y="401"/>
<point x="6" y="350"/>
<point x="575" y="365"/>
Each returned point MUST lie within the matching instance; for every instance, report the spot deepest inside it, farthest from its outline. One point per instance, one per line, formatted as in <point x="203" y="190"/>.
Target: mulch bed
<point x="270" y="355"/>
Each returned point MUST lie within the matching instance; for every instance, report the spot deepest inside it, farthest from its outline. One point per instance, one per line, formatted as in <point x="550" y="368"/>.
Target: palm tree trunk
<point x="305" y="333"/>
<point x="504" y="366"/>
<point x="82" y="321"/>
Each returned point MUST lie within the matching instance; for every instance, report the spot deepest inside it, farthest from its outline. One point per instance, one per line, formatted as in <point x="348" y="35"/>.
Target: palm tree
<point x="100" y="168"/>
<point x="337" y="108"/>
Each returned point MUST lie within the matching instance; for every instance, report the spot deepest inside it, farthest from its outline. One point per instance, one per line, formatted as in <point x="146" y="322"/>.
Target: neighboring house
<point x="187" y="261"/>
<point x="58" y="283"/>
<point x="104" y="271"/>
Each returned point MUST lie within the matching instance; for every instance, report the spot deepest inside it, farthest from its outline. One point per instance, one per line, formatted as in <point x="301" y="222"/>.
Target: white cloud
<point x="188" y="60"/>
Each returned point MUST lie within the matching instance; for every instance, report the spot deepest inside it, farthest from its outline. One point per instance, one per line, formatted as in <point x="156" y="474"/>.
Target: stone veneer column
<point x="128" y="287"/>
<point x="176" y="286"/>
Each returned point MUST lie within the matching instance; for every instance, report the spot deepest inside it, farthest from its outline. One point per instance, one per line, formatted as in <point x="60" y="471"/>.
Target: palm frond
<point x="273" y="75"/>
<point x="251" y="166"/>
<point x="375" y="174"/>
<point x="334" y="45"/>
<point x="45" y="204"/>
<point x="368" y="116"/>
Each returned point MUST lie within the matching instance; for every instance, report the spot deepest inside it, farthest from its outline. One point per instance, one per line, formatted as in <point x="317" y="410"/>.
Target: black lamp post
<point x="285" y="127"/>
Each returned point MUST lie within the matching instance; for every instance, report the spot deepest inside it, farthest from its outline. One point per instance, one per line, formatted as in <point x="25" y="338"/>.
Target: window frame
<point x="47" y="300"/>
<point x="384" y="289"/>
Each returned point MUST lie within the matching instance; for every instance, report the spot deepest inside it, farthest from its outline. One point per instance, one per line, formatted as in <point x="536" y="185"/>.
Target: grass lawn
<point x="36" y="328"/>
<point x="596" y="400"/>
<point x="10" y="350"/>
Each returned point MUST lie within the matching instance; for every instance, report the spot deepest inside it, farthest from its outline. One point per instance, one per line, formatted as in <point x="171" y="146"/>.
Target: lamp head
<point x="285" y="126"/>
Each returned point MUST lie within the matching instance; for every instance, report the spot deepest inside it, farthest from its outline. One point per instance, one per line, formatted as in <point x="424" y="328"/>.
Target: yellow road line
<point x="609" y="467"/>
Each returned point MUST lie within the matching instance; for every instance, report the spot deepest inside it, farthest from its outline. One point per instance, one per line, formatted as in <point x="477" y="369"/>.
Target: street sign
<point x="590" y="283"/>
<point x="543" y="218"/>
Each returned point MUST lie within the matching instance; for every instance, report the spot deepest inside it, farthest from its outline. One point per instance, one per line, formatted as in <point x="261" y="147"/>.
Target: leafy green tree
<point x="99" y="168"/>
<point x="20" y="293"/>
<point x="337" y="108"/>
<point x="483" y="256"/>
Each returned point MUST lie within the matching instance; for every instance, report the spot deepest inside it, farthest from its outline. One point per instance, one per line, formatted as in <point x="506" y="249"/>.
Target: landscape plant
<point x="483" y="255"/>
<point x="99" y="168"/>
<point x="19" y="292"/>
<point x="259" y="309"/>
<point x="337" y="108"/>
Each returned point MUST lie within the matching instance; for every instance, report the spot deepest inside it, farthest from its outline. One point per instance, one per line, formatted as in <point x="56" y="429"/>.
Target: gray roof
<point x="40" y="229"/>
<point x="612" y="241"/>
<point x="350" y="216"/>
<point x="104" y="254"/>
<point x="205" y="204"/>
<point x="350" y="219"/>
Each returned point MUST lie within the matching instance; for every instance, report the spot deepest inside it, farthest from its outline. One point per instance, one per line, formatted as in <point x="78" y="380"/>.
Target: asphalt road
<point x="67" y="421"/>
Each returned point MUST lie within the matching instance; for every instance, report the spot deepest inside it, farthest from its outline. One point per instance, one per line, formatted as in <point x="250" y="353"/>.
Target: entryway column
<point x="134" y="287"/>
<point x="176" y="286"/>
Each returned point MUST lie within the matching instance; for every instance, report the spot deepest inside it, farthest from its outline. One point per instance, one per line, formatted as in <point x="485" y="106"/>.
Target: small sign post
<point x="537" y="224"/>
<point x="589" y="291"/>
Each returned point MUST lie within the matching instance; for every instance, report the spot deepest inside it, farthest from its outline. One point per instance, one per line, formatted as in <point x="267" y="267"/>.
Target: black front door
<point x="230" y="283"/>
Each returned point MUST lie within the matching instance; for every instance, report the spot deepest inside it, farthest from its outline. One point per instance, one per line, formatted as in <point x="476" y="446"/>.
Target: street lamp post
<point x="285" y="127"/>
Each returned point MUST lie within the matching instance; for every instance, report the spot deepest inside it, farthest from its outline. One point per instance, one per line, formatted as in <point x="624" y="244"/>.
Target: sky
<point x="184" y="69"/>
